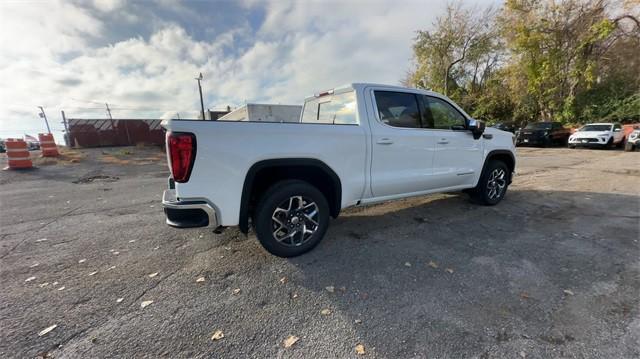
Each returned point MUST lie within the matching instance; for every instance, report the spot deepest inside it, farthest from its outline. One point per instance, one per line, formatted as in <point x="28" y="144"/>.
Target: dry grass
<point x="133" y="156"/>
<point x="67" y="156"/>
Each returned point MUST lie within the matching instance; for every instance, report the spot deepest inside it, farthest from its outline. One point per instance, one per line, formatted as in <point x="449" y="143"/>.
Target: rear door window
<point x="398" y="109"/>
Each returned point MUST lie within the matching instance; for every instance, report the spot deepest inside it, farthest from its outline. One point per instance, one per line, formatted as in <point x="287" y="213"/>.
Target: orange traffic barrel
<point x="17" y="153"/>
<point x="47" y="145"/>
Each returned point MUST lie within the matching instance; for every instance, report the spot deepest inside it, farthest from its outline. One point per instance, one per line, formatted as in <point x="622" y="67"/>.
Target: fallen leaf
<point x="358" y="321"/>
<point x="200" y="279"/>
<point x="236" y="291"/>
<point x="44" y="284"/>
<point x="110" y="268"/>
<point x="29" y="279"/>
<point x="153" y="274"/>
<point x="567" y="291"/>
<point x="42" y="240"/>
<point x="433" y="264"/>
<point x="360" y="349"/>
<point x="217" y="335"/>
<point x="112" y="250"/>
<point x="291" y="340"/>
<point x="330" y="289"/>
<point x="47" y="330"/>
<point x="524" y="295"/>
<point x="131" y="241"/>
<point x="54" y="283"/>
<point x="407" y="264"/>
<point x="119" y="300"/>
<point x="34" y="265"/>
<point x="116" y="253"/>
<point x="325" y="312"/>
<point x="82" y="261"/>
<point x="283" y="280"/>
<point x="449" y="270"/>
<point x="294" y="295"/>
<point x="61" y="288"/>
<point x="93" y="273"/>
<point x="155" y="248"/>
<point x="343" y="289"/>
<point x="145" y="303"/>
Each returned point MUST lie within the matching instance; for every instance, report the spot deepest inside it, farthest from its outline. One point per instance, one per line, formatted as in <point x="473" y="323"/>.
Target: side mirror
<point x="476" y="127"/>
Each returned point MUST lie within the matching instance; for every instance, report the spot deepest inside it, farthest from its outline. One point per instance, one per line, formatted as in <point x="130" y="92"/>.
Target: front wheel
<point x="493" y="184"/>
<point x="291" y="218"/>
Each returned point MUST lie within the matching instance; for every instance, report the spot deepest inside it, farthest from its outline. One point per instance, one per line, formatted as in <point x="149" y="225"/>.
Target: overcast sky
<point x="142" y="57"/>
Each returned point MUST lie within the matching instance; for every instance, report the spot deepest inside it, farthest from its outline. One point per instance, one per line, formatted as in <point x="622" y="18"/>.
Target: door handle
<point x="443" y="141"/>
<point x="385" y="141"/>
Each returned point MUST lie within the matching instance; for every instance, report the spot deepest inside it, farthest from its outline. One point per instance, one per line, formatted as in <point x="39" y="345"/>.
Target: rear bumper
<point x="188" y="213"/>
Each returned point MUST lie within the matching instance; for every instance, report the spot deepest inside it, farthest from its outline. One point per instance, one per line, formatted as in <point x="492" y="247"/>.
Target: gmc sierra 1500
<point x="354" y="145"/>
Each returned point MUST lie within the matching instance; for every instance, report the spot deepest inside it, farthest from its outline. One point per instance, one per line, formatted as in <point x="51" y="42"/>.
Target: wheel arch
<point x="505" y="156"/>
<point x="261" y="175"/>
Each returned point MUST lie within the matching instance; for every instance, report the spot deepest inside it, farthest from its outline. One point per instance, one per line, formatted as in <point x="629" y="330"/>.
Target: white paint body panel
<point x="369" y="172"/>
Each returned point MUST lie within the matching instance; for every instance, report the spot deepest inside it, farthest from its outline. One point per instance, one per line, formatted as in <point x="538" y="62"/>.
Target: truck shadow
<point x="441" y="277"/>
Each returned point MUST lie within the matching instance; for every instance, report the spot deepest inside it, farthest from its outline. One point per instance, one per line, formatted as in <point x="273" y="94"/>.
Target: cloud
<point x="76" y="57"/>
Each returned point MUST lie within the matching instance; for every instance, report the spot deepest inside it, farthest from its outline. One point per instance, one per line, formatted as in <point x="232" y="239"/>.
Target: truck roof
<point x="361" y="85"/>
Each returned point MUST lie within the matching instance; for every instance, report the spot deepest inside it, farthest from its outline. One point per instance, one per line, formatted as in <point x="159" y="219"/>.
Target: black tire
<point x="274" y="197"/>
<point x="609" y="145"/>
<point x="629" y="147"/>
<point x="482" y="193"/>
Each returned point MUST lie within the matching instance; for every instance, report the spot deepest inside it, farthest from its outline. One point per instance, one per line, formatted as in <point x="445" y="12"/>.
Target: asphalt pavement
<point x="89" y="269"/>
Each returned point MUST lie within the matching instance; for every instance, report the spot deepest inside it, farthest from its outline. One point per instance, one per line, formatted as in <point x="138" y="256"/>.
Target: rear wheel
<point x="291" y="218"/>
<point x="493" y="184"/>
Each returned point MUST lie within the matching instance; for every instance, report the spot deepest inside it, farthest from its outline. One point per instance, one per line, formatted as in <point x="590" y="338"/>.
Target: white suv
<point x="604" y="135"/>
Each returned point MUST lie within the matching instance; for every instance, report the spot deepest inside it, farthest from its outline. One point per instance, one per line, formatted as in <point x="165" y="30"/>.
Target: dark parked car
<point x="543" y="134"/>
<point x="504" y="126"/>
<point x="2" y="149"/>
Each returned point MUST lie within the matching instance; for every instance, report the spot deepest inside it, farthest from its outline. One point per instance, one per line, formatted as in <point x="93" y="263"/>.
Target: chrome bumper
<point x="188" y="213"/>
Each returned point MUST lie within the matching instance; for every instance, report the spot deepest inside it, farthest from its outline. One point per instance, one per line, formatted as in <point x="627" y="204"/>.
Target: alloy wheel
<point x="294" y="221"/>
<point x="496" y="183"/>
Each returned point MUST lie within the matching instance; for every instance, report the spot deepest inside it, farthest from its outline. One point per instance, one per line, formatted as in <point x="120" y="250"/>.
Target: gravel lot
<point x="553" y="271"/>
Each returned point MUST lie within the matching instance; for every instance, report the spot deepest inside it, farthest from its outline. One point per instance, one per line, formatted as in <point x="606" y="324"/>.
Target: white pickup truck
<point x="354" y="145"/>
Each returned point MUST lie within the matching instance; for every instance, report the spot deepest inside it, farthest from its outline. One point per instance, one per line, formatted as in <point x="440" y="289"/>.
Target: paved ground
<point x="553" y="271"/>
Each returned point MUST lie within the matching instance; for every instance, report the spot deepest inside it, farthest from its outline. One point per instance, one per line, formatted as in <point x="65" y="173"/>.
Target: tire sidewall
<point x="274" y="196"/>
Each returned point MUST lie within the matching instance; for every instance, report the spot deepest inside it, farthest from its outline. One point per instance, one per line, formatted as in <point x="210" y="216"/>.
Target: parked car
<point x="633" y="141"/>
<point x="603" y="135"/>
<point x="505" y="126"/>
<point x="2" y="147"/>
<point x="33" y="145"/>
<point x="354" y="145"/>
<point x="543" y="134"/>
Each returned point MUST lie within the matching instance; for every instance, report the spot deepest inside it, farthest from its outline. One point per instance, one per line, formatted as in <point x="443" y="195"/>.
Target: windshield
<point x="594" y="128"/>
<point x="539" y="126"/>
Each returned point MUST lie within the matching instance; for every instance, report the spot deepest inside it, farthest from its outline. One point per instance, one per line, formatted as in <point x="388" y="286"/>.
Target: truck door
<point x="458" y="156"/>
<point x="402" y="151"/>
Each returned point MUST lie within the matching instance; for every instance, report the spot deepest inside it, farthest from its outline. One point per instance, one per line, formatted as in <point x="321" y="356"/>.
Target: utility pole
<point x="126" y="129"/>
<point x="67" y="135"/>
<point x="199" y="78"/>
<point x="43" y="115"/>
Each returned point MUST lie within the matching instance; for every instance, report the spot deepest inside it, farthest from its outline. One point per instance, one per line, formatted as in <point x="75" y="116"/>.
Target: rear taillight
<point x="181" y="148"/>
